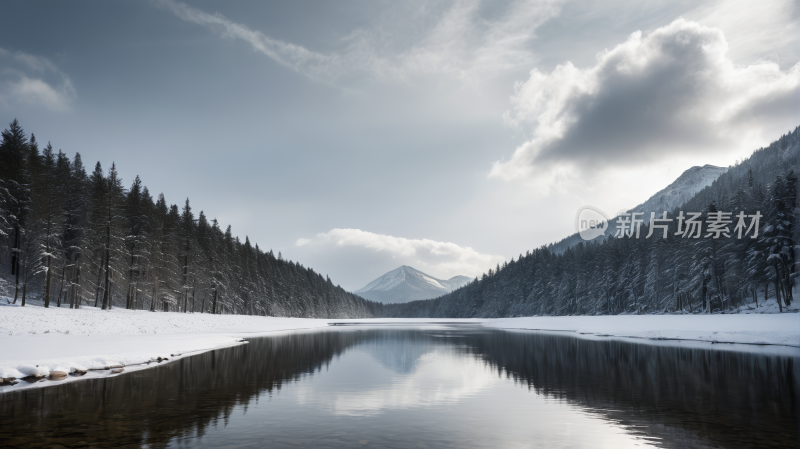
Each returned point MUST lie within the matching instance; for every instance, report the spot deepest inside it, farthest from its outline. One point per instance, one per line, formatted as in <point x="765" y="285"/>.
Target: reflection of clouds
<point x="441" y="376"/>
<point x="400" y="356"/>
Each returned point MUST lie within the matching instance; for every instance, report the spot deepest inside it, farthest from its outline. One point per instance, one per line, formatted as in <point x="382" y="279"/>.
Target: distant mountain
<point x="406" y="284"/>
<point x="688" y="184"/>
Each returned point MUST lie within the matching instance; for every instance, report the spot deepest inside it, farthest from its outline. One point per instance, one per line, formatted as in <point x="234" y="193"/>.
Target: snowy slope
<point x="408" y="284"/>
<point x="682" y="190"/>
<point x="456" y="282"/>
<point x="667" y="199"/>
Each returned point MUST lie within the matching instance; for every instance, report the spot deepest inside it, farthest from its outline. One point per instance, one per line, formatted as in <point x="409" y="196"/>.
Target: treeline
<point x="72" y="238"/>
<point x="629" y="275"/>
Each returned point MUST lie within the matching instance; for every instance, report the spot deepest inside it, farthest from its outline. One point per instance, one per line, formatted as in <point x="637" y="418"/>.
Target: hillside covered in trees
<point x="681" y="273"/>
<point x="71" y="237"/>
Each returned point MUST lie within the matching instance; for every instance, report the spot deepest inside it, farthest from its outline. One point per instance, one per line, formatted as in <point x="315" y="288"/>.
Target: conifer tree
<point x="15" y="172"/>
<point x="48" y="229"/>
<point x="76" y="242"/>
<point x="112" y="215"/>
<point x="187" y="235"/>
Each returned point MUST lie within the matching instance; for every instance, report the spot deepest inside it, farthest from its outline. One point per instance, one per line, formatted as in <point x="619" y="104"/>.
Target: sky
<point x="361" y="135"/>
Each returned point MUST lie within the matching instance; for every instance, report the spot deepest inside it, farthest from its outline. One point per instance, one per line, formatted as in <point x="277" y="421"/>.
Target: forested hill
<point x="72" y="238"/>
<point x="655" y="275"/>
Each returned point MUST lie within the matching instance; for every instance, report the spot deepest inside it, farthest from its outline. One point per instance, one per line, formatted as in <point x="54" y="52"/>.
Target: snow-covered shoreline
<point x="766" y="330"/>
<point x="36" y="341"/>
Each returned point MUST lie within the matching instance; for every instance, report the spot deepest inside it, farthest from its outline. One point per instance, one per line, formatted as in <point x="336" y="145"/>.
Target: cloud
<point x="443" y="259"/>
<point x="33" y="80"/>
<point x="461" y="42"/>
<point x="752" y="28"/>
<point x="296" y="57"/>
<point x="656" y="96"/>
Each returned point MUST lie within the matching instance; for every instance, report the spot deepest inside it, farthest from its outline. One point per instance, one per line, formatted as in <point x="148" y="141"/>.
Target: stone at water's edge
<point x="117" y="371"/>
<point x="57" y="374"/>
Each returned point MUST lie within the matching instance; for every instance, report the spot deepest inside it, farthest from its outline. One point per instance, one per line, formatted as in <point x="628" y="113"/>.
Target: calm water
<point x="458" y="387"/>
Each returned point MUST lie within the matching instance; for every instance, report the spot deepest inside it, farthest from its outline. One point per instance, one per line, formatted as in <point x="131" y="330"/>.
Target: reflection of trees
<point x="689" y="397"/>
<point x="178" y="399"/>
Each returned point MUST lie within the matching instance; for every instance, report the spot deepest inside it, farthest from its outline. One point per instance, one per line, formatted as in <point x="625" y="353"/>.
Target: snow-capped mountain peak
<point x="684" y="188"/>
<point x="408" y="284"/>
<point x="681" y="190"/>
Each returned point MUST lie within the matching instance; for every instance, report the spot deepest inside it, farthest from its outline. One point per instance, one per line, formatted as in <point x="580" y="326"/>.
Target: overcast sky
<point x="358" y="136"/>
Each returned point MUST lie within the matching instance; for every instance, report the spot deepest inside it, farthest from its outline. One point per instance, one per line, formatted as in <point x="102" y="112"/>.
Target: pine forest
<point x="74" y="237"/>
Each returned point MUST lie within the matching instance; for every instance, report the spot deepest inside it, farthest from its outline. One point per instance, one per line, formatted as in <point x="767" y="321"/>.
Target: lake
<point x="441" y="386"/>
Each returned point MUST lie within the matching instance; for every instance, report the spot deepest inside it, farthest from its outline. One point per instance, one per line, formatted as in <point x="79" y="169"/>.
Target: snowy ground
<point x="770" y="306"/>
<point x="773" y="329"/>
<point x="36" y="341"/>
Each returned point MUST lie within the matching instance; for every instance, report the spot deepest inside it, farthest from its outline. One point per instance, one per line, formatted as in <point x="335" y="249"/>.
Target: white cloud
<point x="313" y="64"/>
<point x="755" y="30"/>
<point x="461" y="42"/>
<point x="33" y="80"/>
<point x="441" y="259"/>
<point x="657" y="96"/>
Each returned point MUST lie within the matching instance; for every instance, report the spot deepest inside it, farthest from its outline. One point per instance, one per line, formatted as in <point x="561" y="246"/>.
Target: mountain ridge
<point x="406" y="284"/>
<point x="677" y="193"/>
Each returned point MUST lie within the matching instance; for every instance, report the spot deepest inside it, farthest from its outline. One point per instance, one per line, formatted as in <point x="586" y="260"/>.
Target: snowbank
<point x="768" y="329"/>
<point x="33" y="320"/>
<point x="35" y="341"/>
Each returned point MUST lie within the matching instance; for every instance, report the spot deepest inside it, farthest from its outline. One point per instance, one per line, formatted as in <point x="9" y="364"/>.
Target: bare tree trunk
<point x="61" y="287"/>
<point x="135" y="292"/>
<point x="778" y="288"/>
<point x="194" y="292"/>
<point x="106" y="295"/>
<point x="47" y="281"/>
<point x="131" y="285"/>
<point x="155" y="295"/>
<point x="185" y="277"/>
<point x="24" y="281"/>
<point x="71" y="287"/>
<point x="24" y="289"/>
<point x="15" y="262"/>
<point x="77" y="294"/>
<point x="214" y="301"/>
<point x="99" y="279"/>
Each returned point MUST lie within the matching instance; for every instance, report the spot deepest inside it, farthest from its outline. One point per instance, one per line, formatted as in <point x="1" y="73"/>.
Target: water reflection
<point x="404" y="387"/>
<point x="685" y="396"/>
<point x="413" y="370"/>
<point x="401" y="353"/>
